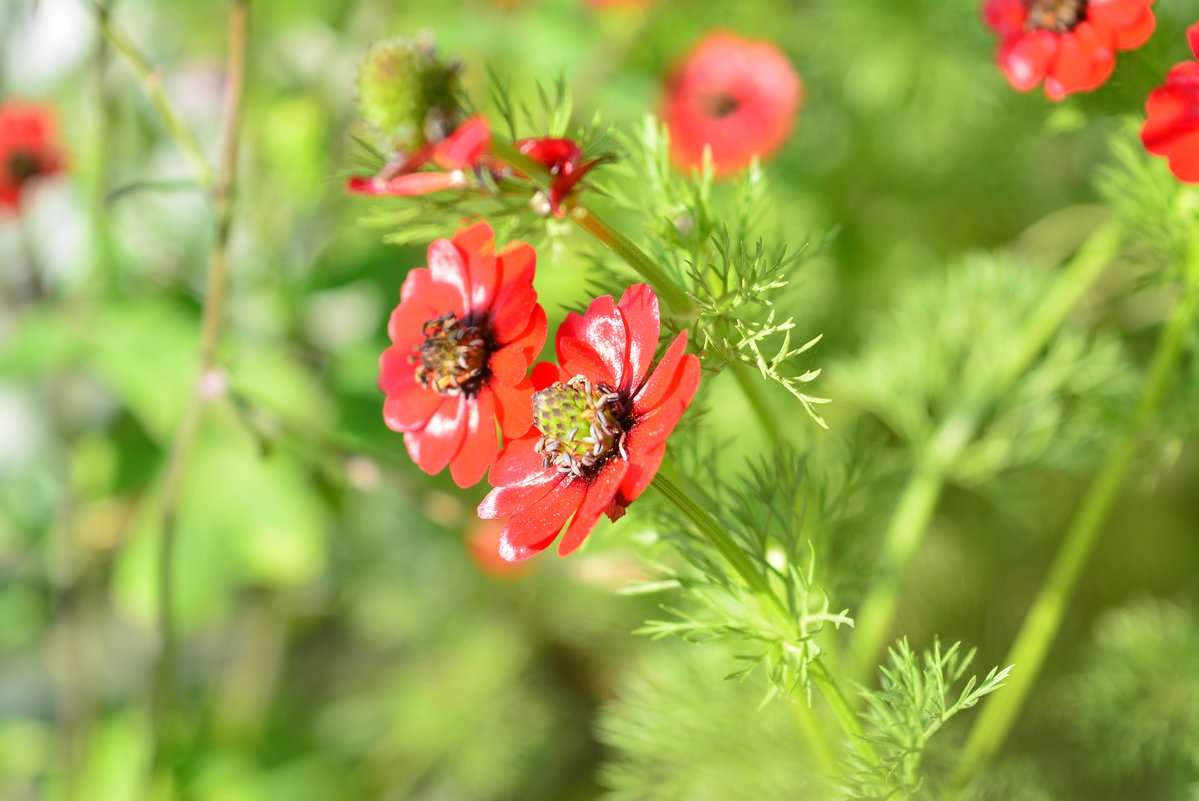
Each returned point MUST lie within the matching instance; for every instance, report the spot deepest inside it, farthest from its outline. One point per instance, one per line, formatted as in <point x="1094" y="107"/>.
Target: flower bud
<point x="407" y="95"/>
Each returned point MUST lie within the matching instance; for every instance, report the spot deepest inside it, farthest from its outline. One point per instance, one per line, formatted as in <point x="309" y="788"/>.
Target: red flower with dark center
<point x="463" y="337"/>
<point x="565" y="162"/>
<point x="1068" y="44"/>
<point x="28" y="149"/>
<point x="601" y="422"/>
<point x="1172" y="129"/>
<point x="737" y="96"/>
<point x="463" y="150"/>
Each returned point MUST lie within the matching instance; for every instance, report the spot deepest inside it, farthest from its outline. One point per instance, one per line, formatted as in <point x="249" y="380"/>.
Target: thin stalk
<point x="919" y="498"/>
<point x="635" y="257"/>
<point x="223" y="192"/>
<point x="1044" y="618"/>
<point x="104" y="266"/>
<point x="151" y="81"/>
<point x="757" y="583"/>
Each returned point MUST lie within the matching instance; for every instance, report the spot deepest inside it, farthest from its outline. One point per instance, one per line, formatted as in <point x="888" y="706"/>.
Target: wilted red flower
<point x="1172" y="129"/>
<point x="28" y="149"/>
<point x="738" y="96"/>
<point x="564" y="159"/>
<point x="1070" y="44"/>
<point x="601" y="422"/>
<point x="463" y="336"/>
<point x="464" y="149"/>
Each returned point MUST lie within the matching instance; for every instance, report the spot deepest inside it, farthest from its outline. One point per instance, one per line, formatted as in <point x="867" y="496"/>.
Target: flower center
<point x="1059" y="16"/>
<point x="453" y="358"/>
<point x="579" y="424"/>
<point x="720" y="104"/>
<point x="22" y="165"/>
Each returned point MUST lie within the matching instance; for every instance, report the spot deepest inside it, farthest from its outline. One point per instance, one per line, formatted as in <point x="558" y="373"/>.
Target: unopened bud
<point x="407" y="95"/>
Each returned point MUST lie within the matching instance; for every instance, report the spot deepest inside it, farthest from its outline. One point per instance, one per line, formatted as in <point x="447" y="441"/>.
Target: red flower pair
<point x="466" y="150"/>
<point x="28" y="149"/>
<point x="584" y="438"/>
<point x="1070" y="45"/>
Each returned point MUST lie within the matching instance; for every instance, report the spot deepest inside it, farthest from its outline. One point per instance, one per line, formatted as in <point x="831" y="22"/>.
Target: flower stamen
<point x="563" y="410"/>
<point x="1058" y="16"/>
<point x="453" y="358"/>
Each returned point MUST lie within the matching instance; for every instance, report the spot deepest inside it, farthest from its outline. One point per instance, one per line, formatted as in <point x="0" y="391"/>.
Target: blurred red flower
<point x="564" y="159"/>
<point x="464" y="149"/>
<point x="1068" y="44"/>
<point x="601" y="422"/>
<point x="463" y="336"/>
<point x="28" y="149"/>
<point x="737" y="96"/>
<point x="483" y="541"/>
<point x="1172" y="129"/>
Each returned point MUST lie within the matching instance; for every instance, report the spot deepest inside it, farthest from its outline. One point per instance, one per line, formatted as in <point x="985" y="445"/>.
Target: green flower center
<point x="1059" y="16"/>
<point x="453" y="358"/>
<point x="579" y="424"/>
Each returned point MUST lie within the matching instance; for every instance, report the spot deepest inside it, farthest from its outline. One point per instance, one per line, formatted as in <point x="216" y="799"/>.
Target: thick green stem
<point x="751" y="387"/>
<point x="151" y="81"/>
<point x="919" y="498"/>
<point x="1044" y="618"/>
<point x="635" y="257"/>
<point x="757" y="583"/>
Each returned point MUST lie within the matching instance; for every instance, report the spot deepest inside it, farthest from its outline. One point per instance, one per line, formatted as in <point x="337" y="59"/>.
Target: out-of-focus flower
<point x="462" y="151"/>
<point x="737" y="96"/>
<point x="483" y="543"/>
<point x="463" y="336"/>
<point x="564" y="159"/>
<point x="407" y="95"/>
<point x="1068" y="44"/>
<point x="28" y="149"/>
<point x="601" y="423"/>
<point x="1172" y="129"/>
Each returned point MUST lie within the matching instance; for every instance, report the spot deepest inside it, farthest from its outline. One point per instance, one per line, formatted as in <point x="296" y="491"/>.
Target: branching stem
<point x="1044" y="618"/>
<point x="919" y="498"/>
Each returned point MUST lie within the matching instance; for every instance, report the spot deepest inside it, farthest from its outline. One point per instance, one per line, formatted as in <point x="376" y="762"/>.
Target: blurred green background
<point x="340" y="640"/>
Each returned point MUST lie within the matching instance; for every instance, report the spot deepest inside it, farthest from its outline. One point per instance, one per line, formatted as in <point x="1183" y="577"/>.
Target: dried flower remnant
<point x="736" y="96"/>
<point x="1172" y="129"/>
<point x="601" y="421"/>
<point x="28" y="149"/>
<point x="463" y="336"/>
<point x="1069" y="45"/>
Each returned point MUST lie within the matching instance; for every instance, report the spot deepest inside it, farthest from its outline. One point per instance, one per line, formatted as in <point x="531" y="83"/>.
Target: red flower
<point x="601" y="419"/>
<point x="27" y="149"/>
<point x="463" y="336"/>
<point x="565" y="162"/>
<point x="737" y="96"/>
<point x="465" y="149"/>
<point x="1070" y="44"/>
<point x="482" y="542"/>
<point x="1172" y="129"/>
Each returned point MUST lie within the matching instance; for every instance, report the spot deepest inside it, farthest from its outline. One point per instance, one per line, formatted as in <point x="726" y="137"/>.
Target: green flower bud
<point x="406" y="95"/>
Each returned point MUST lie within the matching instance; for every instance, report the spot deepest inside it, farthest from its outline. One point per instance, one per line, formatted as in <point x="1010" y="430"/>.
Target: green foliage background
<point x="339" y="640"/>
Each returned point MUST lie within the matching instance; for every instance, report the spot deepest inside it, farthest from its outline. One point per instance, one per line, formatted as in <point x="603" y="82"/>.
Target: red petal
<point x="639" y="310"/>
<point x="1116" y="14"/>
<point x="1083" y="63"/>
<point x="446" y="266"/>
<point x="643" y="466"/>
<point x="1026" y="59"/>
<point x="544" y="519"/>
<point x="503" y="502"/>
<point x="579" y="359"/>
<point x="1006" y="17"/>
<point x="547" y="373"/>
<point x="515" y="297"/>
<point x="1193" y="38"/>
<point x="479" y="447"/>
<point x="602" y="331"/>
<point x="395" y="371"/>
<point x="423" y="298"/>
<point x="514" y="407"/>
<point x="519" y="464"/>
<point x="665" y="377"/>
<point x="476" y="244"/>
<point x="1134" y="35"/>
<point x="434" y="445"/>
<point x="600" y="493"/>
<point x="409" y="408"/>
<point x="407" y="185"/>
<point x="465" y="146"/>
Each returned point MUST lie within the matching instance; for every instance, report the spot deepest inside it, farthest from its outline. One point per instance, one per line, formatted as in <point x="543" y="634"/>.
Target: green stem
<point x="1044" y="618"/>
<point x="751" y="387"/>
<point x="635" y="257"/>
<point x="182" y="445"/>
<point x="919" y="498"/>
<point x="151" y="81"/>
<point x="715" y="534"/>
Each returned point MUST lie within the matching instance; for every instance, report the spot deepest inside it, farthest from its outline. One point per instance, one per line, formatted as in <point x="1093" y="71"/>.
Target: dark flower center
<point x="580" y="424"/>
<point x="22" y="165"/>
<point x="720" y="104"/>
<point x="453" y="358"/>
<point x="1058" y="16"/>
